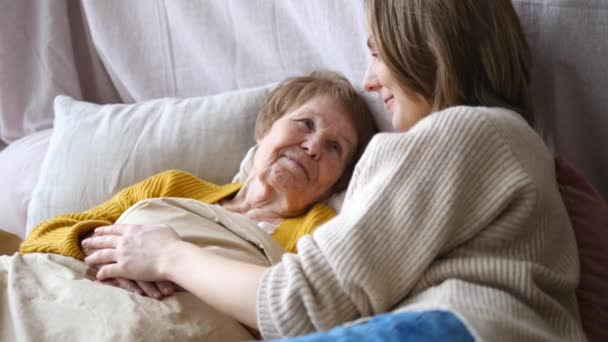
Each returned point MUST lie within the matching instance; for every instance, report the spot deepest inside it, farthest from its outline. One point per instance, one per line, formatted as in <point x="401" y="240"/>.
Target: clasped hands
<point x="132" y="257"/>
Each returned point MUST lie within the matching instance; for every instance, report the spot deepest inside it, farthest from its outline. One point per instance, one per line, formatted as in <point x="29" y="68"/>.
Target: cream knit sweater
<point x="462" y="212"/>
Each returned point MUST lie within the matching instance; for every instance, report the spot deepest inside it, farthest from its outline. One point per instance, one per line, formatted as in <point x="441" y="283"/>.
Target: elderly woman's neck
<point x="258" y="202"/>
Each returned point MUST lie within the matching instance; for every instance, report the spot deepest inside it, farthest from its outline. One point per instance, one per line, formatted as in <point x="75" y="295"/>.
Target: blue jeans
<point x="435" y="325"/>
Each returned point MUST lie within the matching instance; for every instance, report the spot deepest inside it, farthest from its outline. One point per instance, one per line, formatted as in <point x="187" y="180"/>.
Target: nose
<point x="312" y="146"/>
<point x="370" y="80"/>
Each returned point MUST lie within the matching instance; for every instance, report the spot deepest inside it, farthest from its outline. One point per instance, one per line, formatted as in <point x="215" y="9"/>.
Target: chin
<point x="399" y="126"/>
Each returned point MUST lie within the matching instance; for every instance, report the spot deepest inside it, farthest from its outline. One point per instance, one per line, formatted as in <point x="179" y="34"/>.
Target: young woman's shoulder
<point x="455" y="120"/>
<point x="466" y="135"/>
<point x="498" y="124"/>
<point x="464" y="125"/>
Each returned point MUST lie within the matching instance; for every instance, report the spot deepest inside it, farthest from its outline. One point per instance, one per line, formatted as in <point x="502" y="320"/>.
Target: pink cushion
<point x="589" y="218"/>
<point x="19" y="170"/>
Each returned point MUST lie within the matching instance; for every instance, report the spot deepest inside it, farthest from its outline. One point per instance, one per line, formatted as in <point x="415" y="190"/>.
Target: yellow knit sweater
<point x="61" y="234"/>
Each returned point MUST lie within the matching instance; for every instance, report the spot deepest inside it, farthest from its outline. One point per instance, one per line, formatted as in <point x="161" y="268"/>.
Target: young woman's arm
<point x="227" y="285"/>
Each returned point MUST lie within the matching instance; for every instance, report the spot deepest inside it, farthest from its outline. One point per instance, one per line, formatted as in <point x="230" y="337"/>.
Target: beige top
<point x="463" y="213"/>
<point x="208" y="226"/>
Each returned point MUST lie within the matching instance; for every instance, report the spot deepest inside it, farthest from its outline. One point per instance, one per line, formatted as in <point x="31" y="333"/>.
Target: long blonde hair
<point x="454" y="52"/>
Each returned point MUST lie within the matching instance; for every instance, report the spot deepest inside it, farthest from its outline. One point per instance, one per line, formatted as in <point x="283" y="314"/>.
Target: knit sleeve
<point x="60" y="235"/>
<point x="414" y="197"/>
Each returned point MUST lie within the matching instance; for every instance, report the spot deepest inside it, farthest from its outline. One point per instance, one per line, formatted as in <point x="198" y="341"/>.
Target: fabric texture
<point x="19" y="171"/>
<point x="117" y="51"/>
<point x="46" y="50"/>
<point x="97" y="150"/>
<point x="588" y="214"/>
<point x="53" y="297"/>
<point x="425" y="326"/>
<point x="568" y="80"/>
<point x="439" y="217"/>
<point x="61" y="234"/>
<point x="50" y="297"/>
<point x="205" y="225"/>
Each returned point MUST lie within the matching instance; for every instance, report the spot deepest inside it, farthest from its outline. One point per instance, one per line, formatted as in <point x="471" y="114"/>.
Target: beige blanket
<point x="46" y="297"/>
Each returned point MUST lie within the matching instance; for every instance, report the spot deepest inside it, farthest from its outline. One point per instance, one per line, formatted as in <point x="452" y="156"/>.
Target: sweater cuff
<point x="263" y="310"/>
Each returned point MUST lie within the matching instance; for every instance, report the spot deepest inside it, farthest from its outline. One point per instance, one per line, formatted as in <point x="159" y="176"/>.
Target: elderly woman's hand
<point x="130" y="251"/>
<point x="154" y="289"/>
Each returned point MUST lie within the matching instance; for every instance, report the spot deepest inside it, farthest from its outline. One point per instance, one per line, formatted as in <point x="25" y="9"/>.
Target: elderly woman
<point x="310" y="132"/>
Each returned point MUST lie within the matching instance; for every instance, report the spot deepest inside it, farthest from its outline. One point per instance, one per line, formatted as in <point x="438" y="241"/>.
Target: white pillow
<point x="97" y="150"/>
<point x="20" y="166"/>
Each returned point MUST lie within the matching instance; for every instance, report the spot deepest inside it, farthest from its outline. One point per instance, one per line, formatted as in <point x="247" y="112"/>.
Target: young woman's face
<point x="407" y="107"/>
<point x="305" y="152"/>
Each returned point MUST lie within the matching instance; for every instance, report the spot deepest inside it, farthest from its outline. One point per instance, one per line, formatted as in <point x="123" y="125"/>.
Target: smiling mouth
<point x="298" y="164"/>
<point x="388" y="99"/>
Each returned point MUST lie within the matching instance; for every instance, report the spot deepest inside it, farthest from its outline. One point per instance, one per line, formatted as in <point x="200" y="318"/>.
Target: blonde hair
<point x="454" y="52"/>
<point x="296" y="91"/>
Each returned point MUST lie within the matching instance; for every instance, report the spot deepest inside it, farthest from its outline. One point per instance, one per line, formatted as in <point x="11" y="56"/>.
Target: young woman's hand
<point x="157" y="289"/>
<point x="136" y="252"/>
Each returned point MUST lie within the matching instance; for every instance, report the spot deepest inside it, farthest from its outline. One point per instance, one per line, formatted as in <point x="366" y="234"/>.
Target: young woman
<point x="455" y="225"/>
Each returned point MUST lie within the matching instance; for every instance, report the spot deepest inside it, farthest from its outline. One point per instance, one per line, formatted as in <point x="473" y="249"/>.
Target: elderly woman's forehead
<point x="320" y="106"/>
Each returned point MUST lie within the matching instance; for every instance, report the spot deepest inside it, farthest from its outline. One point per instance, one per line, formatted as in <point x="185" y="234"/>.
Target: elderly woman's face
<point x="305" y="152"/>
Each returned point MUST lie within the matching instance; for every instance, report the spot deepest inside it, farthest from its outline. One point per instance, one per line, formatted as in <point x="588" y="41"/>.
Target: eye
<point x="335" y="146"/>
<point x="308" y="123"/>
<point x="374" y="53"/>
